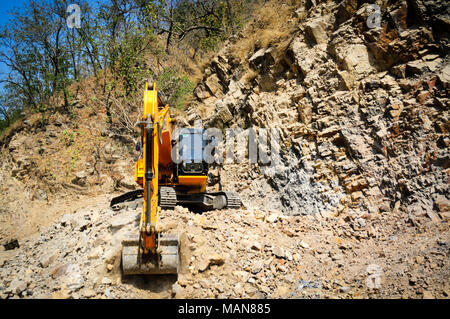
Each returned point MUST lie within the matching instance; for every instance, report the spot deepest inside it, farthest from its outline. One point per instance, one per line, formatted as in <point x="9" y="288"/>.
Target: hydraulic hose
<point x="148" y="168"/>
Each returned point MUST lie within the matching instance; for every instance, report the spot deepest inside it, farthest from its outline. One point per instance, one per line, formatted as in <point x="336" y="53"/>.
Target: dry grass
<point x="180" y="58"/>
<point x="249" y="76"/>
<point x="8" y="131"/>
<point x="271" y="26"/>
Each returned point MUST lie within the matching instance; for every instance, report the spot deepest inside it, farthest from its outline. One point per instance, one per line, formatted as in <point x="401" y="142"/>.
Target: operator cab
<point x="192" y="143"/>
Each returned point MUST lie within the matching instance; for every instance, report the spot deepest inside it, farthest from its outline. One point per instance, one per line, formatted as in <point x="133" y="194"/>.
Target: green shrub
<point x="14" y="116"/>
<point x="175" y="87"/>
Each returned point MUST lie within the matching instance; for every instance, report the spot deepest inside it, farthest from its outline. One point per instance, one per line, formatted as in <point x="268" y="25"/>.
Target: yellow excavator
<point x="166" y="183"/>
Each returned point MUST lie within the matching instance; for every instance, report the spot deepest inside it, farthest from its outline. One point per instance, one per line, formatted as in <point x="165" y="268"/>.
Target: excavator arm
<point x="150" y="127"/>
<point x="152" y="253"/>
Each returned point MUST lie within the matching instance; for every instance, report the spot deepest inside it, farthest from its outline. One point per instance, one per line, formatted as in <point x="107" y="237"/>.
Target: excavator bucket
<point x="165" y="261"/>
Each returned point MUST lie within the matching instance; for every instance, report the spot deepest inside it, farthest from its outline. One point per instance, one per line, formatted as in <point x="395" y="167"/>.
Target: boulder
<point x="272" y="218"/>
<point x="356" y="60"/>
<point x="262" y="59"/>
<point x="214" y="86"/>
<point x="201" y="92"/>
<point x="128" y="182"/>
<point x="17" y="286"/>
<point x="40" y="195"/>
<point x="399" y="71"/>
<point x="223" y="112"/>
<point x="442" y="203"/>
<point x="220" y="65"/>
<point x="256" y="246"/>
<point x="416" y="67"/>
<point x="73" y="279"/>
<point x="47" y="259"/>
<point x="210" y="260"/>
<point x="80" y="178"/>
<point x="444" y="76"/>
<point x="257" y="267"/>
<point x="346" y="80"/>
<point x="316" y="31"/>
<point x="278" y="251"/>
<point x="122" y="220"/>
<point x="300" y="57"/>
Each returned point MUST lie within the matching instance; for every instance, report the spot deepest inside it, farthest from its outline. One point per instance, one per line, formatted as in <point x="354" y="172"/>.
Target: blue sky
<point x="6" y="6"/>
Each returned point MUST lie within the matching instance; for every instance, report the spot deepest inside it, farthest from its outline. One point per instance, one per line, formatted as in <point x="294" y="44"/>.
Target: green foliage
<point x="74" y="157"/>
<point x="128" y="60"/>
<point x="14" y="116"/>
<point x="45" y="56"/>
<point x="41" y="108"/>
<point x="68" y="138"/>
<point x="175" y="87"/>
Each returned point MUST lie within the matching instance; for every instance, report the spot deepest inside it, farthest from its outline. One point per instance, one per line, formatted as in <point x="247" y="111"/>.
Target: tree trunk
<point x="230" y="13"/>
<point x="169" y="36"/>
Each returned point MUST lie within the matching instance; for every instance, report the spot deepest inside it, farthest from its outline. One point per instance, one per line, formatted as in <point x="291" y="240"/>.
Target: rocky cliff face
<point x="363" y="110"/>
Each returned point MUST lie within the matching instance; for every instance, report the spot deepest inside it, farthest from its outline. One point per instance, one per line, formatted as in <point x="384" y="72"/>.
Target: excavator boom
<point x="151" y="252"/>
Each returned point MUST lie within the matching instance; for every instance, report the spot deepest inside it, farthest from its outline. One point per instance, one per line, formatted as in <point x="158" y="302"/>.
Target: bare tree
<point x="230" y="14"/>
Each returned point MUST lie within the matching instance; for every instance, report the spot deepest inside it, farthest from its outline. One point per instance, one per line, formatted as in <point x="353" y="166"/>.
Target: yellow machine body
<point x="163" y="186"/>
